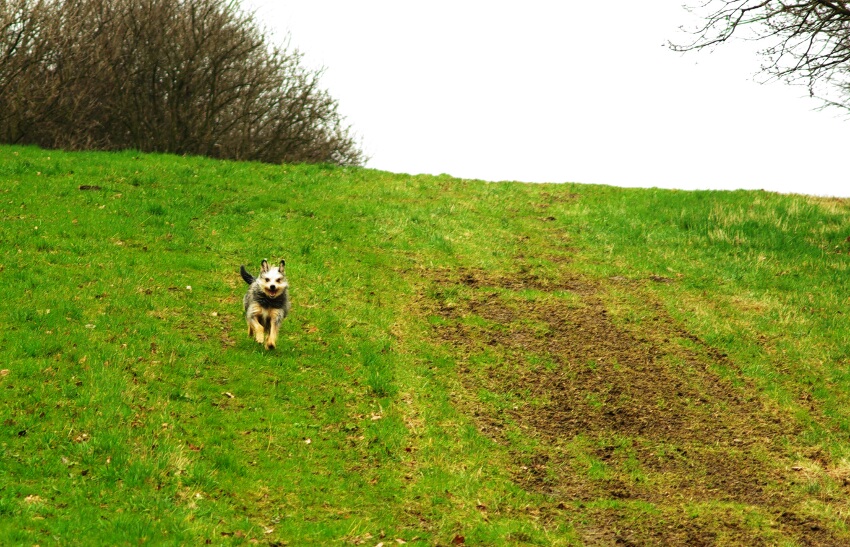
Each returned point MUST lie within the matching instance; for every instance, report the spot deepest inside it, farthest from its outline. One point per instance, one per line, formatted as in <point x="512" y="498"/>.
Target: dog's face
<point x="272" y="280"/>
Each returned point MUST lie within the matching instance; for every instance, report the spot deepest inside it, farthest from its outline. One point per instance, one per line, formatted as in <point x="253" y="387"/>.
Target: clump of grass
<point x="376" y="359"/>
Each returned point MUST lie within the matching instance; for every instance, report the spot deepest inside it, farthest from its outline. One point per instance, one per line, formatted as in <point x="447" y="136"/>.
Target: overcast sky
<point x="561" y="91"/>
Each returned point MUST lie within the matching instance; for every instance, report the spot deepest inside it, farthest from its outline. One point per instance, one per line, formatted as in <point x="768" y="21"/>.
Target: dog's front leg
<point x="274" y="326"/>
<point x="255" y="328"/>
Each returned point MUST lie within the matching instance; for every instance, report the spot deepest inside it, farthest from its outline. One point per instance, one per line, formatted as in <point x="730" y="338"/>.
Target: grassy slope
<point x="133" y="408"/>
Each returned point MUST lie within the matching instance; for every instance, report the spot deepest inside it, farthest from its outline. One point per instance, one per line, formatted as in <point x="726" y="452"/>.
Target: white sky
<point x="561" y="91"/>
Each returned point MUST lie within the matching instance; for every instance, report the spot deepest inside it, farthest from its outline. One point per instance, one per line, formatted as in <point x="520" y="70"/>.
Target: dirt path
<point x="622" y="416"/>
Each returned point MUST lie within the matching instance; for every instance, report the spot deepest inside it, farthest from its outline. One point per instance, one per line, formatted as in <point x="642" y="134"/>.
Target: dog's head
<point x="272" y="280"/>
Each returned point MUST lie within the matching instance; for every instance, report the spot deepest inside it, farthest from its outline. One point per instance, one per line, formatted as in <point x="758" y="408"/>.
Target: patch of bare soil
<point x="616" y="414"/>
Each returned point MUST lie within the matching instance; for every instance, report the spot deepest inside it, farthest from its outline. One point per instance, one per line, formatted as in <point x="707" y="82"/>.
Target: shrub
<point x="178" y="76"/>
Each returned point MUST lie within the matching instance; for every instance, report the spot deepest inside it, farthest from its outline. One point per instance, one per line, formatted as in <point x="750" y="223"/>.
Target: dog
<point x="266" y="302"/>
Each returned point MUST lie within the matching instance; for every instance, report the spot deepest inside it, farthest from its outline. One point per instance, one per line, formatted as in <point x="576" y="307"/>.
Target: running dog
<point x="266" y="302"/>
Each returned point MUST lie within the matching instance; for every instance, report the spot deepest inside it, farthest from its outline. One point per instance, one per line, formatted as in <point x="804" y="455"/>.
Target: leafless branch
<point x="806" y="41"/>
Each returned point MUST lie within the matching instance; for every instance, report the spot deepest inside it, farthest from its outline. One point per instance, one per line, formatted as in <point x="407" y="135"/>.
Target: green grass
<point x="404" y="400"/>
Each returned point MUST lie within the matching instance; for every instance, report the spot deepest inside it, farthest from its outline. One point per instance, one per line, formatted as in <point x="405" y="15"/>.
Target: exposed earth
<point x="648" y="433"/>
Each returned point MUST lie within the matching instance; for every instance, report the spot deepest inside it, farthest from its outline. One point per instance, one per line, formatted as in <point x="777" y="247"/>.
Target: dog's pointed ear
<point x="282" y="264"/>
<point x="264" y="266"/>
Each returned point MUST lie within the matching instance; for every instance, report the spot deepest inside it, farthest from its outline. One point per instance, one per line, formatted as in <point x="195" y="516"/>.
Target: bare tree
<point x="181" y="76"/>
<point x="806" y="41"/>
<point x="23" y="51"/>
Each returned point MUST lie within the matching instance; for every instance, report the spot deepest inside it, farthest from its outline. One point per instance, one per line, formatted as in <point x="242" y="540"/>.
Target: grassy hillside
<point x="465" y="361"/>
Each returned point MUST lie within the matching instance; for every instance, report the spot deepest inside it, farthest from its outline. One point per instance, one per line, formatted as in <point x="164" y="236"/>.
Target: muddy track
<point x="644" y="405"/>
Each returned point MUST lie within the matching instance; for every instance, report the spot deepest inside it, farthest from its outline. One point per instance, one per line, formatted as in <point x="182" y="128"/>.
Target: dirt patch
<point x="636" y="415"/>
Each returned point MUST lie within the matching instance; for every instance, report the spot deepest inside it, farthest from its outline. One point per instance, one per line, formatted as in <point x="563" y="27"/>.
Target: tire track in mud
<point x="643" y="405"/>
